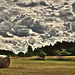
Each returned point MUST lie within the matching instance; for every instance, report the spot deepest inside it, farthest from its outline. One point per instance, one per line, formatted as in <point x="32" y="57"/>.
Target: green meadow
<point x="23" y="66"/>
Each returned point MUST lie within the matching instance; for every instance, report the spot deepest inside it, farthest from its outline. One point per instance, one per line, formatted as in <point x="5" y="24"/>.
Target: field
<point x="25" y="66"/>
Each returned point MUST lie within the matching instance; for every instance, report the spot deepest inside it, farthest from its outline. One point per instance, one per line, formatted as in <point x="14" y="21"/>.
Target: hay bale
<point x="4" y="61"/>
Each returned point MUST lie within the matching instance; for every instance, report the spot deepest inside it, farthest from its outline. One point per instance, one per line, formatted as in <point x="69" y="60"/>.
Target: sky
<point x="36" y="23"/>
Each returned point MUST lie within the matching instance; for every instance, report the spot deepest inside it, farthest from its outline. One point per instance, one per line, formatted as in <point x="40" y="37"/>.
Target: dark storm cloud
<point x="73" y="7"/>
<point x="37" y="27"/>
<point x="2" y="8"/>
<point x="72" y="19"/>
<point x="18" y="18"/>
<point x="20" y="32"/>
<point x="4" y="34"/>
<point x="1" y="20"/>
<point x="34" y="25"/>
<point x="28" y="21"/>
<point x="65" y="15"/>
<point x="67" y="25"/>
<point x="5" y="26"/>
<point x="14" y="12"/>
<point x="52" y="33"/>
<point x="15" y="0"/>
<point x="31" y="41"/>
<point x="73" y="26"/>
<point x="32" y="4"/>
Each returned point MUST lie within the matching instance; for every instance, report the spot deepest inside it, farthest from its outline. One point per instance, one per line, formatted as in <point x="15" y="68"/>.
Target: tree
<point x="28" y="54"/>
<point x="7" y="52"/>
<point x="36" y="51"/>
<point x="72" y="50"/>
<point x="63" y="52"/>
<point x="29" y="49"/>
<point x="42" y="54"/>
<point x="21" y="54"/>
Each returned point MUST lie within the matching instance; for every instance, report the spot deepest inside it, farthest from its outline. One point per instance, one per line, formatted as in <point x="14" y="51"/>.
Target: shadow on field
<point x="55" y="59"/>
<point x="17" y="67"/>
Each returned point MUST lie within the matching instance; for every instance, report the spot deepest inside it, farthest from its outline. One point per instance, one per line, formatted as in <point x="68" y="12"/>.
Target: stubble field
<point x="25" y="66"/>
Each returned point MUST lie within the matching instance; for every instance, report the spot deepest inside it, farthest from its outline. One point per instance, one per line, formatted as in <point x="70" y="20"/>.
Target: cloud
<point x="34" y="25"/>
<point x="35" y="22"/>
<point x="20" y="31"/>
<point x="27" y="21"/>
<point x="1" y="20"/>
<point x="37" y="27"/>
<point x="73" y="26"/>
<point x="32" y="4"/>
<point x="31" y="41"/>
<point x="65" y="15"/>
<point x="73" y="7"/>
<point x="67" y="25"/>
<point x="4" y="34"/>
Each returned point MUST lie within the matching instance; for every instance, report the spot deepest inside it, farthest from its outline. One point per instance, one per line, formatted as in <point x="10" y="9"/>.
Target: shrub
<point x="28" y="54"/>
<point x="63" y="52"/>
<point x="42" y="54"/>
<point x="20" y="54"/>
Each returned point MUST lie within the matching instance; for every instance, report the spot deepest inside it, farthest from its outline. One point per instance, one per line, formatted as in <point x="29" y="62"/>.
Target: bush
<point x="63" y="52"/>
<point x="28" y="54"/>
<point x="21" y="54"/>
<point x="42" y="54"/>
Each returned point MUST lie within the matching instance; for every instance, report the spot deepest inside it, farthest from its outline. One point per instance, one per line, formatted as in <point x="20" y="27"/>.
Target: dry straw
<point x="4" y="61"/>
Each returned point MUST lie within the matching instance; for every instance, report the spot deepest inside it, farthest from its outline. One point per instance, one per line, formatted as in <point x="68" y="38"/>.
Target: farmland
<point x="26" y="66"/>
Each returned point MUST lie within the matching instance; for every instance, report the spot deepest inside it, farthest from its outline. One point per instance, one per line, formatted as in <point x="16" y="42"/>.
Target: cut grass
<point x="22" y="66"/>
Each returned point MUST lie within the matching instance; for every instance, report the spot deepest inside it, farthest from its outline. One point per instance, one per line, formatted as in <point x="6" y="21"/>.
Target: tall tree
<point x="29" y="49"/>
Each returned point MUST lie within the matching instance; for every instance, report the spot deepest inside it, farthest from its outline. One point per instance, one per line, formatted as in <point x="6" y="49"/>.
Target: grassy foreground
<point x="22" y="66"/>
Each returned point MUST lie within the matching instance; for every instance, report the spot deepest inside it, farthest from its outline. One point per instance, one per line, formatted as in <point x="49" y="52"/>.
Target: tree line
<point x="63" y="48"/>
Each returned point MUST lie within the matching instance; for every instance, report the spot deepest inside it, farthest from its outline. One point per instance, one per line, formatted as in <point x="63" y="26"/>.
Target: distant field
<point x="25" y="66"/>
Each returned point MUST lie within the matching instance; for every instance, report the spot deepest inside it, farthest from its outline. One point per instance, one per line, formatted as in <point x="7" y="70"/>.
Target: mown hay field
<point x="25" y="66"/>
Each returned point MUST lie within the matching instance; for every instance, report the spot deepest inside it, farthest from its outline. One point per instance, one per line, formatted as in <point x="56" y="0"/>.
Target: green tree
<point x="28" y="54"/>
<point x="72" y="50"/>
<point x="42" y="54"/>
<point x="29" y="49"/>
<point x="21" y="54"/>
<point x="63" y="52"/>
<point x="36" y="51"/>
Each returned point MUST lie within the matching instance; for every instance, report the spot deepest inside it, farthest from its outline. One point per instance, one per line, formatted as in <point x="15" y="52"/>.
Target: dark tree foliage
<point x="7" y="52"/>
<point x="20" y="54"/>
<point x="63" y="52"/>
<point x="72" y="50"/>
<point x="29" y="49"/>
<point x="42" y="54"/>
<point x="28" y="54"/>
<point x="36" y="51"/>
<point x="51" y="50"/>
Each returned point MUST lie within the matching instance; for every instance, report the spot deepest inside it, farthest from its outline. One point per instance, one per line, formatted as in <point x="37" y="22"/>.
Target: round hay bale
<point x="4" y="61"/>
